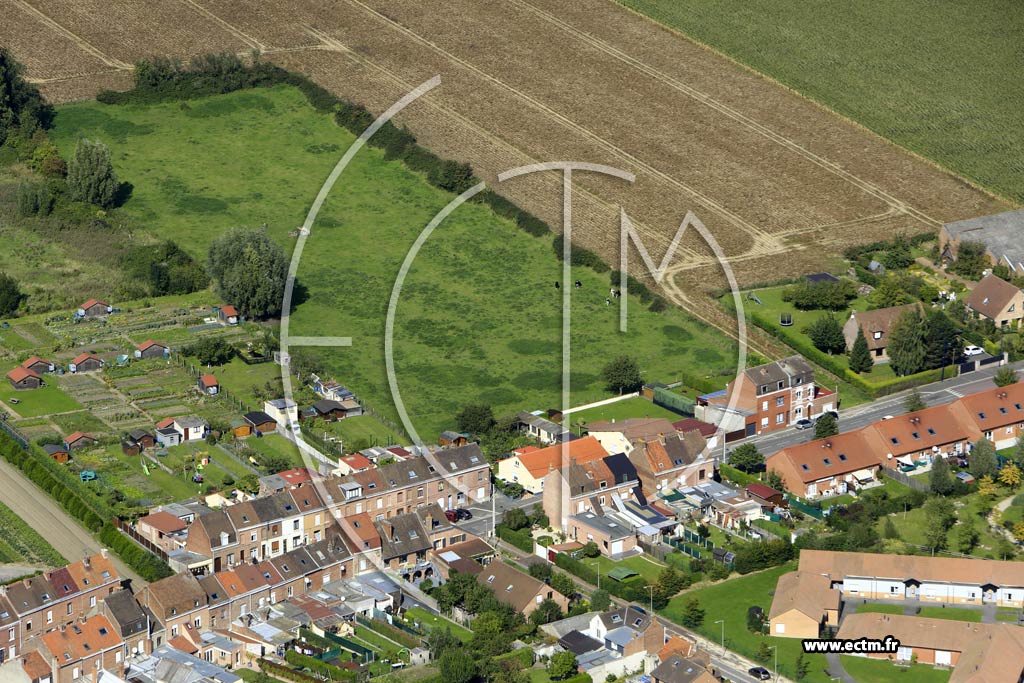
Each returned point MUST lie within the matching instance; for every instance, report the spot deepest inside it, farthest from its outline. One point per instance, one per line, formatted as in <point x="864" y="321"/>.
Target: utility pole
<point x="651" y="588"/>
<point x="722" y="622"/>
<point x="776" y="649"/>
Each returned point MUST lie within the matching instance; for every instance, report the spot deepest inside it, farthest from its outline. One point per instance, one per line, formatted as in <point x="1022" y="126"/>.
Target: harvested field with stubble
<point x="782" y="183"/>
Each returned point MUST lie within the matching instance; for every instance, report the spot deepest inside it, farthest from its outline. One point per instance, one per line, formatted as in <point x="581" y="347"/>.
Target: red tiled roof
<point x="164" y="521"/>
<point x="82" y="357"/>
<point x="296" y="475"/>
<point x="149" y="342"/>
<point x="229" y="311"/>
<point x="184" y="644"/>
<point x="92" y="302"/>
<point x="543" y="460"/>
<point x="94" y="635"/>
<point x="762" y="491"/>
<point x="33" y="360"/>
<point x="19" y="373"/>
<point x="208" y="381"/>
<point x="356" y="461"/>
<point x="35" y="666"/>
<point x="78" y="436"/>
<point x="691" y="424"/>
<point x="165" y="423"/>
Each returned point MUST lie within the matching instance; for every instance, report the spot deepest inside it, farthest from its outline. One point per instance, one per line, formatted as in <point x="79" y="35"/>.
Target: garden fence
<point x="902" y="478"/>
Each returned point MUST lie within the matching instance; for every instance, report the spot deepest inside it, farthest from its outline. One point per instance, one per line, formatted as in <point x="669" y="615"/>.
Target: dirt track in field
<point x="782" y="183"/>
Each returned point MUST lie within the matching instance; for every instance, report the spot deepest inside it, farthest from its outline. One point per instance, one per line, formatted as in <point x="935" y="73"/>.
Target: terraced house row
<point x="202" y="539"/>
<point x="846" y="461"/>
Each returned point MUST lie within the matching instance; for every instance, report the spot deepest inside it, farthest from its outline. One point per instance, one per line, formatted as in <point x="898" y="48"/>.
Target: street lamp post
<point x="776" y="649"/>
<point x="722" y="622"/>
<point x="651" y="588"/>
<point x="597" y="564"/>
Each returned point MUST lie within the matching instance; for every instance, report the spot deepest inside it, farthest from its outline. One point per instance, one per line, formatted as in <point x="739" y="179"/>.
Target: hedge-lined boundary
<point x="833" y="365"/>
<point x="631" y="592"/>
<point x="333" y="673"/>
<point x="279" y="671"/>
<point x="521" y="538"/>
<point x="164" y="80"/>
<point x="144" y="563"/>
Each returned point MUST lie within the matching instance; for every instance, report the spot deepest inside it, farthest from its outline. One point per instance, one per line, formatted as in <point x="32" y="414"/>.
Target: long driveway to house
<point x="41" y="513"/>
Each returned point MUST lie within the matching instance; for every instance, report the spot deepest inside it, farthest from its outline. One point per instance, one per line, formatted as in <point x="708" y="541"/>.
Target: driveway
<point x="41" y="513"/>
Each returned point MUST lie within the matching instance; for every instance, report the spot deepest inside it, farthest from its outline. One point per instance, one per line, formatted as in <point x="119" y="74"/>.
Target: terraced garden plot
<point x="83" y="421"/>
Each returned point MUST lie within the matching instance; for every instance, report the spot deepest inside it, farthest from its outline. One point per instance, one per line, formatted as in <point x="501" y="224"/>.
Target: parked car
<point x="760" y="673"/>
<point x="451" y="516"/>
<point x="973" y="351"/>
<point x="463" y="513"/>
<point x="803" y="423"/>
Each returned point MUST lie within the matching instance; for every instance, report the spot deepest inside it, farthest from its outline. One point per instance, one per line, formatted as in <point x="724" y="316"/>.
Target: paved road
<point x="859" y="416"/>
<point x="41" y="513"/>
<point x="481" y="522"/>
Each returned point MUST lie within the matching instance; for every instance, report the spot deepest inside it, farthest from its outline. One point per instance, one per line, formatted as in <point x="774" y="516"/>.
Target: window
<point x="827" y="461"/>
<point x="782" y="384"/>
<point x="70" y="608"/>
<point x="295" y="525"/>
<point x="252" y="537"/>
<point x="49" y="616"/>
<point x="780" y="418"/>
<point x="764" y="388"/>
<point x="10" y="634"/>
<point x="764" y="422"/>
<point x="877" y="334"/>
<point x="804" y="467"/>
<point x="780" y="628"/>
<point x="92" y="601"/>
<point x="780" y="401"/>
<point x="764" y="405"/>
<point x="28" y="625"/>
<point x="799" y="393"/>
<point x="198" y="622"/>
<point x="842" y="457"/>
<point x="174" y="631"/>
<point x="419" y="492"/>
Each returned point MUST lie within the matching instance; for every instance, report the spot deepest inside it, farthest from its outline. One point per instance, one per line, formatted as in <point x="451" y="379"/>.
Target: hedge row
<point x="521" y="538"/>
<point x="161" y="80"/>
<point x="333" y="673"/>
<point x="146" y="564"/>
<point x="46" y="480"/>
<point x="394" y="633"/>
<point x="838" y="368"/>
<point x="631" y="592"/>
<point x="736" y="476"/>
<point x="524" y="656"/>
<point x="579" y="678"/>
<point x="279" y="671"/>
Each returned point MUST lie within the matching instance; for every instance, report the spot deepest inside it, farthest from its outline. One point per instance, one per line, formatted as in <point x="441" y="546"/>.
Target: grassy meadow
<point x="479" y="317"/>
<point x="939" y="78"/>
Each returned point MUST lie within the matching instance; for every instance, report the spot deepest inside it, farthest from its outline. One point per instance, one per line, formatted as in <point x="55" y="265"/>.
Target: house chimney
<point x="429" y="520"/>
<point x="87" y="562"/>
<point x="104" y="553"/>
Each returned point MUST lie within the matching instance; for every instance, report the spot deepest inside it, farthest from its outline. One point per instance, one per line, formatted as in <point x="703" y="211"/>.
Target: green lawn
<point x="275" y="444"/>
<point x="641" y="564"/>
<point x="729" y="601"/>
<point x="244" y="381"/>
<point x="363" y="431"/>
<point x="882" y="671"/>
<point x="878" y="608"/>
<point x="43" y="401"/>
<point x="623" y="410"/>
<point x="928" y="77"/>
<point x="951" y="613"/>
<point x="376" y="640"/>
<point x="430" y="620"/>
<point x="82" y="421"/>
<point x="479" y="318"/>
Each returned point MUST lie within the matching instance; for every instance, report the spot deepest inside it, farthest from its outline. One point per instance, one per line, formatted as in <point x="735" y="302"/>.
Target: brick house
<point x="673" y="461"/>
<point x="529" y="466"/>
<point x="520" y="590"/>
<point x="588" y="487"/>
<point x="831" y="466"/>
<point x="82" y="649"/>
<point x="767" y="398"/>
<point x="803" y="604"/>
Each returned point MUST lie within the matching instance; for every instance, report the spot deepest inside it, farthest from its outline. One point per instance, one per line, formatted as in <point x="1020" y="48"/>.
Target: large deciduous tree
<point x="249" y="270"/>
<point x="622" y="375"/>
<point x="827" y="334"/>
<point x="10" y="294"/>
<point x="22" y="107"/>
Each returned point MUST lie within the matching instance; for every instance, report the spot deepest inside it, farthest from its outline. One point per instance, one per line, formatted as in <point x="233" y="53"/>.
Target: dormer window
<point x="877" y="334"/>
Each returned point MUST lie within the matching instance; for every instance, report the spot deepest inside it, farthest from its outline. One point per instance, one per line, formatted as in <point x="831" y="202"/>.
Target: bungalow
<point x="58" y="452"/>
<point x="875" y="326"/>
<point x="227" y="315"/>
<point x="86" y="362"/>
<point x="260" y="421"/>
<point x="79" y="440"/>
<point x="523" y="592"/>
<point x="542" y="429"/>
<point x="327" y="409"/>
<point x="168" y="436"/>
<point x="803" y="604"/>
<point x="152" y="349"/>
<point x="208" y="384"/>
<point x="831" y="466"/>
<point x="997" y="300"/>
<point x="529" y="466"/>
<point x="23" y="378"/>
<point x="612" y="534"/>
<point x="38" y="365"/>
<point x="93" y="308"/>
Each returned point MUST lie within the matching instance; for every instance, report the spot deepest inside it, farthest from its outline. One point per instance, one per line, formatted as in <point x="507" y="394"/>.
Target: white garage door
<point x="943" y="658"/>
